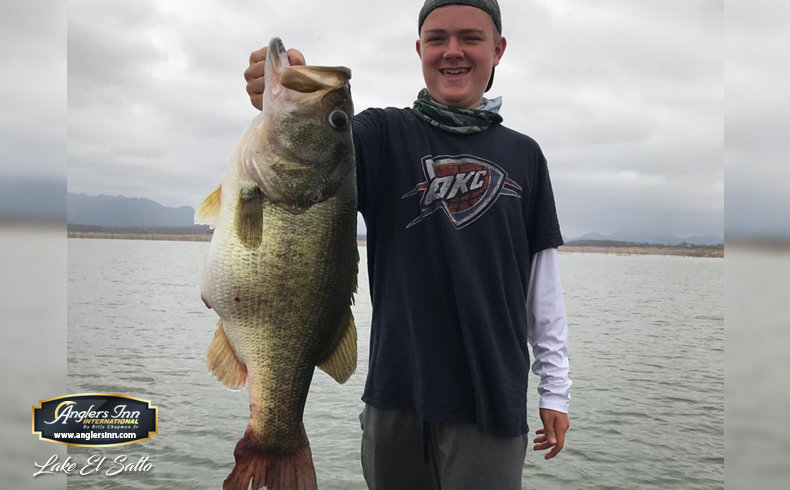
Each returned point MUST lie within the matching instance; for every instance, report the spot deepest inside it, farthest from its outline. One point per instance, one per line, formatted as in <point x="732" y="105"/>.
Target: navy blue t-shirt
<point x="452" y="223"/>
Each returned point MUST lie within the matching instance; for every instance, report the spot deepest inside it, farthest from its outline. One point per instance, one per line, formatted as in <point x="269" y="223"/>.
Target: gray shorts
<point x="401" y="452"/>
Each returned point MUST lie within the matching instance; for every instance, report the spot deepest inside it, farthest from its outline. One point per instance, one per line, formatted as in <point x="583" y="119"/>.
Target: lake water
<point x="646" y="351"/>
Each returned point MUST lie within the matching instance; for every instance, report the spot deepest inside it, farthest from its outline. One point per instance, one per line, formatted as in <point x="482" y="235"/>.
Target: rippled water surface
<point x="647" y="352"/>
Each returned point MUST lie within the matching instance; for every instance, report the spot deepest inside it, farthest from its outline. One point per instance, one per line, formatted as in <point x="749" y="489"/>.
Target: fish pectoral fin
<point x="223" y="363"/>
<point x="249" y="216"/>
<point x="208" y="211"/>
<point x="342" y="362"/>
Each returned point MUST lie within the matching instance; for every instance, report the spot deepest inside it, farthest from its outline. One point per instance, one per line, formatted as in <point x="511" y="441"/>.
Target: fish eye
<point x="338" y="119"/>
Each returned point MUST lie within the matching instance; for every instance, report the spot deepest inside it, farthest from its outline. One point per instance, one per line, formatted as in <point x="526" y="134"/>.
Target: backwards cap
<point x="491" y="7"/>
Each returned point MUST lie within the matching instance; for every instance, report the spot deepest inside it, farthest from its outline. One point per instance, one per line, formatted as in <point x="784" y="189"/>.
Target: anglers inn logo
<point x="95" y="419"/>
<point x="463" y="186"/>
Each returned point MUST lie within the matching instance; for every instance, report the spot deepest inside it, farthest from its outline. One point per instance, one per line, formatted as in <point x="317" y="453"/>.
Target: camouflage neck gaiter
<point x="453" y="119"/>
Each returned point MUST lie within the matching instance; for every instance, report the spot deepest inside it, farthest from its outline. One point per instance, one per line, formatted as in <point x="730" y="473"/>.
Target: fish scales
<point x="298" y="326"/>
<point x="282" y="264"/>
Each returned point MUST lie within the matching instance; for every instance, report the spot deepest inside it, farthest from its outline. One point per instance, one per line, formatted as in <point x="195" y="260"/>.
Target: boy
<point x="462" y="233"/>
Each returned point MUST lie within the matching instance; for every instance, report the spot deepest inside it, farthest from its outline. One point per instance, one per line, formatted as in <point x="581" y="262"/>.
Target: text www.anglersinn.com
<point x="95" y="435"/>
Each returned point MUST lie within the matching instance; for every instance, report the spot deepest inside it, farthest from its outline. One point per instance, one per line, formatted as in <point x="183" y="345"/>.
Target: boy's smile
<point x="458" y="46"/>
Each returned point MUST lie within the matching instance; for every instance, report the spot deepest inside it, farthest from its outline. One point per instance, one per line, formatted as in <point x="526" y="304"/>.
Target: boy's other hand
<point x="552" y="435"/>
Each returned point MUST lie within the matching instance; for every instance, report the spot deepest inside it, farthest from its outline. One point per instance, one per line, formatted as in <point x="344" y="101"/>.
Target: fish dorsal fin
<point x="313" y="78"/>
<point x="208" y="210"/>
<point x="342" y="362"/>
<point x="223" y="363"/>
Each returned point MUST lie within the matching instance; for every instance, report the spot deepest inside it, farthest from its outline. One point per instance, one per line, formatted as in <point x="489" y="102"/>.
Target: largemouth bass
<point x="282" y="265"/>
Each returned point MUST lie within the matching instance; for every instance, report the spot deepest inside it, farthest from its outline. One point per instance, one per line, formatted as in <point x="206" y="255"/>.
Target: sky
<point x="625" y="97"/>
<point x="757" y="116"/>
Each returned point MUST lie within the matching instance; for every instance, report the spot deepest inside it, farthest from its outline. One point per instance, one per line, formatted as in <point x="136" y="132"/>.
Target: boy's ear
<point x="417" y="47"/>
<point x="499" y="50"/>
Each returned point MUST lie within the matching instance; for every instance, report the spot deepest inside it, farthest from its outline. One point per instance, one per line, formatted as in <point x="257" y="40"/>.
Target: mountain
<point x="653" y="238"/>
<point x="120" y="212"/>
<point x="127" y="212"/>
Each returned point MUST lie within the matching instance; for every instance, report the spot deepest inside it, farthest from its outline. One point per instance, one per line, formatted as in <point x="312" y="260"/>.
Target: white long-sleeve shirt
<point x="547" y="331"/>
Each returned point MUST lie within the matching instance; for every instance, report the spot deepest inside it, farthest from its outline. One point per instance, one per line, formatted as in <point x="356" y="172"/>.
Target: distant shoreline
<point x="677" y="250"/>
<point x="108" y="235"/>
<point x="681" y="251"/>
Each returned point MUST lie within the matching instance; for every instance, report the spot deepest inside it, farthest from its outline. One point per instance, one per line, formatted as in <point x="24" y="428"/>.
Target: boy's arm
<point x="547" y="333"/>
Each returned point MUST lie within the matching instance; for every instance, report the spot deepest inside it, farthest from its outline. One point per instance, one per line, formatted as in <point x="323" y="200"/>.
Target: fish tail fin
<point x="290" y="469"/>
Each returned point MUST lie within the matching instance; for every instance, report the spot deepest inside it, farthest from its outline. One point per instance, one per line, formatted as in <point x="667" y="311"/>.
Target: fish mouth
<point x="277" y="48"/>
<point x="303" y="79"/>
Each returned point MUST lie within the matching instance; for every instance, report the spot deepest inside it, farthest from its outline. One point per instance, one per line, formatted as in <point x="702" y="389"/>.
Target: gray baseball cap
<point x="491" y="7"/>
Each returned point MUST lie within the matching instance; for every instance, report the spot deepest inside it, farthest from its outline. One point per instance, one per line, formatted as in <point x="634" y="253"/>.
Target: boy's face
<point x="458" y="46"/>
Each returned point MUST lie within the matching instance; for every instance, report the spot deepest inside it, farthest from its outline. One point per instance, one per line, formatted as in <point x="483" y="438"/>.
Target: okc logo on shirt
<point x="463" y="186"/>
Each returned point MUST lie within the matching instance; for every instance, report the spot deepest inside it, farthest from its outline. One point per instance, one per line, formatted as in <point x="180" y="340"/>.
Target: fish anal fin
<point x="249" y="217"/>
<point x="223" y="363"/>
<point x="342" y="362"/>
<point x="208" y="211"/>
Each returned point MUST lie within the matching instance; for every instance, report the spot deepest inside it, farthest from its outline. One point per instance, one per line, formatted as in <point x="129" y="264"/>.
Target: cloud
<point x="626" y="98"/>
